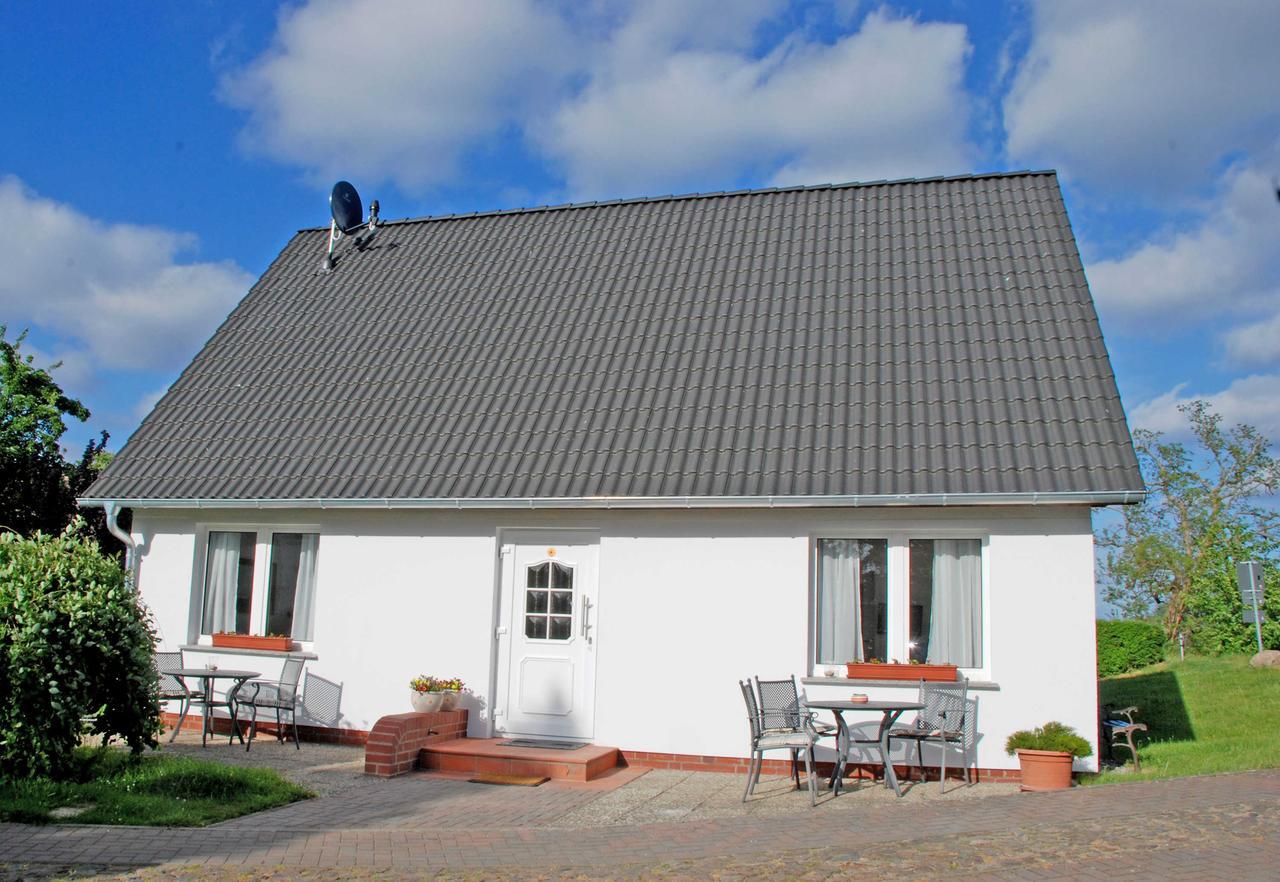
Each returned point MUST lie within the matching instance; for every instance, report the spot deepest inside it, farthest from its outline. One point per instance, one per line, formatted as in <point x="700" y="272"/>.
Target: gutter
<point x="1115" y="497"/>
<point x="111" y="508"/>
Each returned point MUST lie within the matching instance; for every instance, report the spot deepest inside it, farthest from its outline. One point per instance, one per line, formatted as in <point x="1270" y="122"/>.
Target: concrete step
<point x="485" y="756"/>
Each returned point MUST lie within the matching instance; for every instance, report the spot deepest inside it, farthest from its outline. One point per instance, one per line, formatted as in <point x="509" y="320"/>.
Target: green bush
<point x="74" y="643"/>
<point x="1050" y="736"/>
<point x="1127" y="646"/>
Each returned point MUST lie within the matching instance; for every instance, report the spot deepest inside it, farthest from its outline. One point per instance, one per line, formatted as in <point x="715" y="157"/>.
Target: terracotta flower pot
<point x="426" y="702"/>
<point x="1045" y="769"/>
<point x="890" y="671"/>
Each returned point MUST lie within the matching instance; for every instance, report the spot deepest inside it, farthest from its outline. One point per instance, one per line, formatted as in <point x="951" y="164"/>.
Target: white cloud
<point x="626" y="98"/>
<point x="1257" y="343"/>
<point x="397" y="89"/>
<point x="115" y="295"/>
<point x="885" y="101"/>
<point x="1145" y="94"/>
<point x="1227" y="265"/>
<point x="1254" y="400"/>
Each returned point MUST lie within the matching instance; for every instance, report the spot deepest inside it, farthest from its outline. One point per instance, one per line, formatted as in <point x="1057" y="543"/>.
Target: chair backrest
<point x="780" y="704"/>
<point x="943" y="698"/>
<point x="321" y="700"/>
<point x="290" y="674"/>
<point x="166" y="662"/>
<point x="753" y="711"/>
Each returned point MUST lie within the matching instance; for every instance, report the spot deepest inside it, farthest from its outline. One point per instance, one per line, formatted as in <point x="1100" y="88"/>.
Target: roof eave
<point x="1108" y="497"/>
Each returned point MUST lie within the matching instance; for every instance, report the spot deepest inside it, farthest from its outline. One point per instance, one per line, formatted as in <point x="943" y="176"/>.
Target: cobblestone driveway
<point x="1219" y="827"/>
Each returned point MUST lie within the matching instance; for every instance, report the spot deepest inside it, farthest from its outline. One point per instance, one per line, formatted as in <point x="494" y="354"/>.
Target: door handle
<point x="586" y="611"/>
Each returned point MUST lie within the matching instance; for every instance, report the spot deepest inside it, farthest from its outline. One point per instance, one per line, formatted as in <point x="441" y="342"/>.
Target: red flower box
<point x="887" y="671"/>
<point x="253" y="641"/>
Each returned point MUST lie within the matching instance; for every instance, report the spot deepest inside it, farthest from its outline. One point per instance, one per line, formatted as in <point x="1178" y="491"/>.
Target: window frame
<point x="258" y="608"/>
<point x="573" y="603"/>
<point x="898" y="584"/>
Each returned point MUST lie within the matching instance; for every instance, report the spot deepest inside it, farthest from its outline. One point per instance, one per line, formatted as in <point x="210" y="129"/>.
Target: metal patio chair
<point x="946" y="720"/>
<point x="172" y="688"/>
<point x="790" y="731"/>
<point x="280" y="695"/>
<point x="779" y="705"/>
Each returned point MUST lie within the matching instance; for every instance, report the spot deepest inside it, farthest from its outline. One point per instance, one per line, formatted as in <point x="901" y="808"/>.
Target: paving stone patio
<point x="665" y="826"/>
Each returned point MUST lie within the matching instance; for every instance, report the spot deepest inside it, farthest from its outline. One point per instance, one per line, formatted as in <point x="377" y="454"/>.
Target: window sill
<point x="974" y="685"/>
<point x="228" y="650"/>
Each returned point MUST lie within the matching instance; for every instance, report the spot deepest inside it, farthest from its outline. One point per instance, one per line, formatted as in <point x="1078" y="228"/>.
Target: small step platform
<point x="487" y="756"/>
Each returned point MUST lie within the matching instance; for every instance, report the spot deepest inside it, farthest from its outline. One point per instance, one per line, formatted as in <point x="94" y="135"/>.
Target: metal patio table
<point x="889" y="713"/>
<point x="206" y="676"/>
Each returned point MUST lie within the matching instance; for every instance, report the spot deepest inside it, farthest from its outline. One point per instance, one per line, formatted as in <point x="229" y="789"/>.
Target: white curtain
<point x="221" y="583"/>
<point x="304" y="593"/>
<point x="839" y="601"/>
<point x="955" y="620"/>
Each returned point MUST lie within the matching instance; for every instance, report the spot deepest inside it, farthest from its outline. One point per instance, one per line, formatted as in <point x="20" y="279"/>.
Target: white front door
<point x="547" y="635"/>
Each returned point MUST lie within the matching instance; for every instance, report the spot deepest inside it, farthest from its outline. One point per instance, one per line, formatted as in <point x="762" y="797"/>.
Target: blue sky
<point x="156" y="157"/>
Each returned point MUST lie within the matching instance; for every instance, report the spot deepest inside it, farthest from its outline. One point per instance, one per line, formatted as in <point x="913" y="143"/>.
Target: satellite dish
<point x="344" y="205"/>
<point x="346" y="210"/>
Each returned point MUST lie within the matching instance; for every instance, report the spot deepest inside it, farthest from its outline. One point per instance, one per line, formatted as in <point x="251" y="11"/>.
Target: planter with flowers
<point x="271" y="642"/>
<point x="1045" y="755"/>
<point x="874" y="669"/>
<point x="431" y="694"/>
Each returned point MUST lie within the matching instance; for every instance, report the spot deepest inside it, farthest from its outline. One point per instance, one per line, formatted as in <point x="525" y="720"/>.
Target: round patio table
<point x="889" y="713"/>
<point x="206" y="677"/>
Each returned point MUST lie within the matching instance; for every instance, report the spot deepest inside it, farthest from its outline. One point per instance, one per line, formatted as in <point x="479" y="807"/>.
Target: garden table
<point x="889" y="713"/>
<point x="206" y="677"/>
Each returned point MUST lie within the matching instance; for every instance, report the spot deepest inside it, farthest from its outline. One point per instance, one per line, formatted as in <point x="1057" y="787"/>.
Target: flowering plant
<point x="423" y="683"/>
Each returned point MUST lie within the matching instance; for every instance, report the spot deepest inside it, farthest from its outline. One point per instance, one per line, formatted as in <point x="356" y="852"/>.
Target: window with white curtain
<point x="898" y="599"/>
<point x="260" y="582"/>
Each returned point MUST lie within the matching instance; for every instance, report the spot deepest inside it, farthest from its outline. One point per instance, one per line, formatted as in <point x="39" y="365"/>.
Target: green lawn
<point x="151" y="790"/>
<point x="1205" y="715"/>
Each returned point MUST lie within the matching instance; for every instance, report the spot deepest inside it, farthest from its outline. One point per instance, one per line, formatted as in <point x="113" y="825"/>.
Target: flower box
<point x="253" y="641"/>
<point x="889" y="671"/>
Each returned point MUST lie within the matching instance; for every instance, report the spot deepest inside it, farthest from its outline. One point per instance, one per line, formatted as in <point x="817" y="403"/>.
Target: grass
<point x="1205" y="715"/>
<point x="150" y="790"/>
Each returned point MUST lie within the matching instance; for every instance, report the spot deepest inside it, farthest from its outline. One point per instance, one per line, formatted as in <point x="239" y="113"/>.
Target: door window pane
<point x="946" y="601"/>
<point x="548" y="613"/>
<point x="852" y="600"/>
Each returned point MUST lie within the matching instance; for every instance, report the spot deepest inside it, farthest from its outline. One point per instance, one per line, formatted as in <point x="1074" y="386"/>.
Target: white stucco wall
<point x="689" y="602"/>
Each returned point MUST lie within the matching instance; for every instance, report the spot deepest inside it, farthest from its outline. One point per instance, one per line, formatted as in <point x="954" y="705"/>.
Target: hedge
<point x="1128" y="645"/>
<point x="75" y="645"/>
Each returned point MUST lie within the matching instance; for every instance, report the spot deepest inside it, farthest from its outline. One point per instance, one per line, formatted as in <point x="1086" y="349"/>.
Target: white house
<point x="603" y="460"/>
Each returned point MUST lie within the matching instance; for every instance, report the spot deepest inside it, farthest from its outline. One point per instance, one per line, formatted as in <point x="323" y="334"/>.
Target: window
<point x="853" y="600"/>
<point x="946" y="601"/>
<point x="548" y="602"/>
<point x="918" y="598"/>
<point x="260" y="582"/>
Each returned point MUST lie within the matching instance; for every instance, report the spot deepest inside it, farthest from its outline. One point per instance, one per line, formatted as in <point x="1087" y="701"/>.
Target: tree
<point x="1175" y="553"/>
<point x="38" y="488"/>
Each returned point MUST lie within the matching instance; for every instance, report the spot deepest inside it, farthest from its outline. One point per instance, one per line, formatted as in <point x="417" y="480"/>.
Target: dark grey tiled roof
<point x="864" y="340"/>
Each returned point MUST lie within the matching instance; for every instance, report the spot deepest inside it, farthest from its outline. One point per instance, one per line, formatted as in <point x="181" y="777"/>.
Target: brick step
<point x="485" y="756"/>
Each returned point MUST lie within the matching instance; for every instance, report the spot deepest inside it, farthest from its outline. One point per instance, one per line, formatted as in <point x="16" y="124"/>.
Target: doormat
<point x="549" y="745"/>
<point x="510" y="780"/>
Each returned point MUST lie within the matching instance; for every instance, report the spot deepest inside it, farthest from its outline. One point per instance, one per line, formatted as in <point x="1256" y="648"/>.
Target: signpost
<point x="1249" y="578"/>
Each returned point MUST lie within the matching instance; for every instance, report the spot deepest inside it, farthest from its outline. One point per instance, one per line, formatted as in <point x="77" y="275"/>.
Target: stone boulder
<point x="1268" y="658"/>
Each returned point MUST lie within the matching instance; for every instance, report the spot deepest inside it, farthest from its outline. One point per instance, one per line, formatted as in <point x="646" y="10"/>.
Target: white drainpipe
<point x="112" y="511"/>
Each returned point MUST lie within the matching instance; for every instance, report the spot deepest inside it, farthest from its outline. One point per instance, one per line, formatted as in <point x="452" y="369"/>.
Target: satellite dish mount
<point x="346" y="210"/>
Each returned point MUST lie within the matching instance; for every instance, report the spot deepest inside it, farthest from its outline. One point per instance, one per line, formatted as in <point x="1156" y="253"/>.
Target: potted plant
<point x="1045" y="755"/>
<point x="875" y="669"/>
<point x="273" y="642"/>
<point x="450" y="690"/>
<point x="423" y="694"/>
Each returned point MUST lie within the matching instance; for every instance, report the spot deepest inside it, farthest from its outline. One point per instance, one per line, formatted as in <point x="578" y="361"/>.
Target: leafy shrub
<point x="1128" y="645"/>
<point x="1050" y="736"/>
<point x="74" y="643"/>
